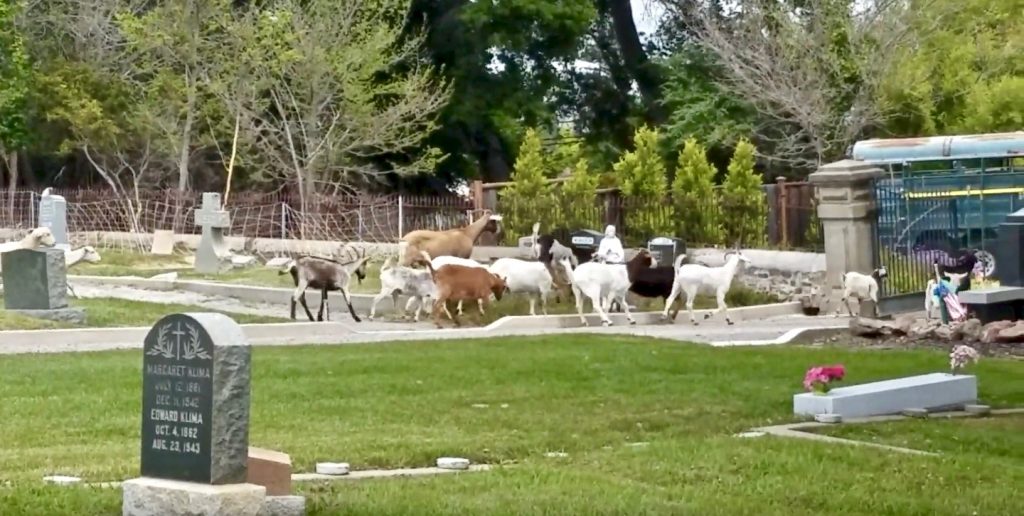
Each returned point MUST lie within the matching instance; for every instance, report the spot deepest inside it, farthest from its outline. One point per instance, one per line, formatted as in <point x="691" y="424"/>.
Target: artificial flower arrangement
<point x="961" y="355"/>
<point x="817" y="379"/>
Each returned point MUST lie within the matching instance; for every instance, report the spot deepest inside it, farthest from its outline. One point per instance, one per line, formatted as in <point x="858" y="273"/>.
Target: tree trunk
<point x="634" y="57"/>
<point x="184" y="152"/>
<point x="12" y="184"/>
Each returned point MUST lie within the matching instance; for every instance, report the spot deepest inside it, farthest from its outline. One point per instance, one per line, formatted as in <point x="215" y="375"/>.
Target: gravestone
<point x="36" y="285"/>
<point x="212" y="246"/>
<point x="163" y="243"/>
<point x="1005" y="302"/>
<point x="195" y="420"/>
<point x="53" y="214"/>
<point x="927" y="391"/>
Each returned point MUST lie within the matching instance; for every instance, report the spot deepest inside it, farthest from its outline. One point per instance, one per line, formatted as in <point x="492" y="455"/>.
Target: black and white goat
<point x="325" y="275"/>
<point x="863" y="287"/>
<point x="549" y="251"/>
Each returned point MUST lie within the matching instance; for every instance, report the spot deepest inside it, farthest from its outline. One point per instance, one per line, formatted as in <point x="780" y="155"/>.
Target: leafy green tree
<point x="698" y="216"/>
<point x="565" y="154"/>
<point x="996" y="106"/>
<point x="641" y="174"/>
<point x="15" y="76"/>
<point x="578" y="196"/>
<point x="744" y="211"/>
<point x="530" y="198"/>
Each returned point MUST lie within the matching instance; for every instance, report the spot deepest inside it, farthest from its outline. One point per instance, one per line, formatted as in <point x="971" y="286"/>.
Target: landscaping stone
<point x="972" y="330"/>
<point x="990" y="331"/>
<point x="929" y="391"/>
<point x="332" y="468"/>
<point x="283" y="506"/>
<point x="1013" y="333"/>
<point x="270" y="469"/>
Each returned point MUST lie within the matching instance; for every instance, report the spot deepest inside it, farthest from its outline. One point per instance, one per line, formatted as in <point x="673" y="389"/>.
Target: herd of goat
<point x="436" y="266"/>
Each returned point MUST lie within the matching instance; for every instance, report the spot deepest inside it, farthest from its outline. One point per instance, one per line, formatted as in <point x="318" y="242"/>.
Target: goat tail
<point x="679" y="262"/>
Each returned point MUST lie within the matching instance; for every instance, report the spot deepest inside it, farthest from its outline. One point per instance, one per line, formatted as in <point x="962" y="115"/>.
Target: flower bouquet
<point x="960" y="356"/>
<point x="817" y="379"/>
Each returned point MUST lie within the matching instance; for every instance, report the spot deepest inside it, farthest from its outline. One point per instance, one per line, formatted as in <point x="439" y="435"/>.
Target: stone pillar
<point x="846" y="208"/>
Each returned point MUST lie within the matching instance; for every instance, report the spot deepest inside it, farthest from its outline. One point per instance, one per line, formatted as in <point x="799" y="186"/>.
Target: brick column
<point x="848" y="215"/>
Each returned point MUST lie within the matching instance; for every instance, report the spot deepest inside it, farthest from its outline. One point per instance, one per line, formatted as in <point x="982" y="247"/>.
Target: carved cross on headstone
<point x="212" y="246"/>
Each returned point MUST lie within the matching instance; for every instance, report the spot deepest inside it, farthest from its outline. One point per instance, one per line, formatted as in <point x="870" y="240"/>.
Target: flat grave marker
<point x="927" y="391"/>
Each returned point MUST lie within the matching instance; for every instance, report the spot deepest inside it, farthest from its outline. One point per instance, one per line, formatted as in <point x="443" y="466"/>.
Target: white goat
<point x="532" y="278"/>
<point x="398" y="279"/>
<point x="82" y="254"/>
<point x="694" y="278"/>
<point x="929" y="297"/>
<point x="602" y="283"/>
<point x="861" y="286"/>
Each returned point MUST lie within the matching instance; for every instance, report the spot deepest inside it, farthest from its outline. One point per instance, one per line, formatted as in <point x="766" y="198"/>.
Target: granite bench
<point x="995" y="303"/>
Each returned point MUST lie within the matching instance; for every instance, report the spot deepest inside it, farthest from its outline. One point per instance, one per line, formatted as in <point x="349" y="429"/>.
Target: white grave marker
<point x="53" y="214"/>
<point x="928" y="391"/>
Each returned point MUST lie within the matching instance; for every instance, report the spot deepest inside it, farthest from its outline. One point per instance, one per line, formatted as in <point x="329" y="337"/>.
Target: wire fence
<point x="788" y="223"/>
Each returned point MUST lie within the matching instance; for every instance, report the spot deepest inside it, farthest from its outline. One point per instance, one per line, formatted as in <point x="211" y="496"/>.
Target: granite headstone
<point x="212" y="246"/>
<point x="36" y="284"/>
<point x="1009" y="254"/>
<point x="1005" y="302"/>
<point x="53" y="214"/>
<point x="195" y="400"/>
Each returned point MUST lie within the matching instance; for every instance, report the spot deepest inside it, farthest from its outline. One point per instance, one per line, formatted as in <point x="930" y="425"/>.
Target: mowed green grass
<point x="995" y="436"/>
<point x="509" y="401"/>
<point x="114" y="313"/>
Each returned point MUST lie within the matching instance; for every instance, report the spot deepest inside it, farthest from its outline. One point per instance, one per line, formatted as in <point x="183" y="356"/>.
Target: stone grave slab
<point x="163" y="243"/>
<point x="195" y="420"/>
<point x="212" y="246"/>
<point x="36" y="284"/>
<point x="53" y="214"/>
<point x="928" y="391"/>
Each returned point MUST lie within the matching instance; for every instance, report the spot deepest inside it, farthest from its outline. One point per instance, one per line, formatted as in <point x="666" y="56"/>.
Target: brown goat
<point x="453" y="242"/>
<point x="461" y="283"/>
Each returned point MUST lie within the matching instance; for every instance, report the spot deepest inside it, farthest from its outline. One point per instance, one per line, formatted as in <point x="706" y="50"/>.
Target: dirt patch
<point x="994" y="349"/>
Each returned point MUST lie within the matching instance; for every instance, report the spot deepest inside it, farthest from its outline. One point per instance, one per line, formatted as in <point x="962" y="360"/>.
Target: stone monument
<point x="53" y="214"/>
<point x="212" y="246"/>
<point x="1005" y="302"/>
<point x="36" y="285"/>
<point x="195" y="421"/>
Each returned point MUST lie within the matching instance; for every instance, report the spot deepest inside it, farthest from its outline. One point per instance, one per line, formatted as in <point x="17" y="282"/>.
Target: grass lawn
<point x="404" y="404"/>
<point x="995" y="436"/>
<point x="113" y="313"/>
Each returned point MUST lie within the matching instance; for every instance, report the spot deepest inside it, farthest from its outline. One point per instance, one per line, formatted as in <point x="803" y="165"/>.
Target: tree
<point x="530" y="197"/>
<point x="641" y="174"/>
<point x="338" y="100"/>
<point x="15" y="76"/>
<point x="698" y="216"/>
<point x="811" y="69"/>
<point x="579" y="198"/>
<point x="744" y="212"/>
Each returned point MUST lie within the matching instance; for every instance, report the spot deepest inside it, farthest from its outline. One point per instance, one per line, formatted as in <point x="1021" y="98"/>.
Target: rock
<point x="923" y="329"/>
<point x="990" y="331"/>
<point x="903" y="324"/>
<point x="283" y="506"/>
<point x="951" y="333"/>
<point x="1014" y="333"/>
<point x="240" y="261"/>
<point x="864" y="327"/>
<point x="971" y="329"/>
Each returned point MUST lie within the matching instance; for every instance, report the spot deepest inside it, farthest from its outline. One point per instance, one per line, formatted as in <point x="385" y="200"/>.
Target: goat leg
<point x="323" y="303"/>
<point x="625" y="308"/>
<point x="721" y="307"/>
<point x="302" y="299"/>
<point x="348" y="301"/>
<point x="438" y="303"/>
<point x="669" y="302"/>
<point x="455" y="319"/>
<point x="689" y="306"/>
<point x="480" y="305"/>
<point x="579" y="304"/>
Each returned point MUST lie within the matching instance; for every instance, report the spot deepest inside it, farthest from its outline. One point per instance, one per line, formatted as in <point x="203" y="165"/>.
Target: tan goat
<point x="461" y="283"/>
<point x="453" y="242"/>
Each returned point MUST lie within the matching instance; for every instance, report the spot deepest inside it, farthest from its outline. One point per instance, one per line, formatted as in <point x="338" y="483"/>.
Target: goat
<point x="602" y="283"/>
<point x="648" y="280"/>
<point x="863" y="287"/>
<point x="549" y="251"/>
<point x="693" y="278"/>
<point x="325" y="275"/>
<point x="38" y="237"/>
<point x="456" y="242"/>
<point x="458" y="282"/>
<point x="440" y="261"/>
<point x="82" y="254"/>
<point x="399" y="279"/>
<point x="963" y="268"/>
<point x="531" y="278"/>
<point x="929" y="291"/>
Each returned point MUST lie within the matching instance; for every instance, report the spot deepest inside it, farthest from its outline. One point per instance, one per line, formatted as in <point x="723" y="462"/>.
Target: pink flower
<point x="823" y="376"/>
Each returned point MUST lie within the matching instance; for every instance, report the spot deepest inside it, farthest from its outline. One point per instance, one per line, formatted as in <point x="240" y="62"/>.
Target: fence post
<point x="848" y="215"/>
<point x="477" y="188"/>
<point x="284" y="221"/>
<point x="782" y="204"/>
<point x="401" y="217"/>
